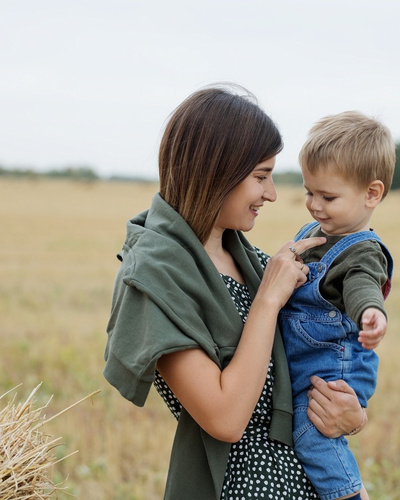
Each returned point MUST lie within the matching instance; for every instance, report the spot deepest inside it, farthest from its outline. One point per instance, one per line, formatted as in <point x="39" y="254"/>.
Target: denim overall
<point x="322" y="340"/>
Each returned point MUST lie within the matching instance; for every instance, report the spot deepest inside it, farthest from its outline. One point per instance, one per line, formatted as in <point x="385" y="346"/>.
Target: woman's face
<point x="241" y="206"/>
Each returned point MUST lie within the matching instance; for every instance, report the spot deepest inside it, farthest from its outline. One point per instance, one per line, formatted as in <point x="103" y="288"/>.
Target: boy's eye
<point x="326" y="198"/>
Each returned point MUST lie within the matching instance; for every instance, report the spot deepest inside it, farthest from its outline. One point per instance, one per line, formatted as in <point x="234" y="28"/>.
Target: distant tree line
<point x="84" y="173"/>
<point x="78" y="173"/>
<point x="396" y="177"/>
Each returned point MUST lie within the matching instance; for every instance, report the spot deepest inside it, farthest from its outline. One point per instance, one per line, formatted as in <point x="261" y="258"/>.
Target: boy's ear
<point x="374" y="193"/>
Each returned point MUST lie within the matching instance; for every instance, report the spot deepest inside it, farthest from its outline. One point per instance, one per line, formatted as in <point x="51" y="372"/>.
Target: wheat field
<point x="57" y="267"/>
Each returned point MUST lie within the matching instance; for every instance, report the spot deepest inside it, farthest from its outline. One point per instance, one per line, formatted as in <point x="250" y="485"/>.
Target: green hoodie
<point x="168" y="297"/>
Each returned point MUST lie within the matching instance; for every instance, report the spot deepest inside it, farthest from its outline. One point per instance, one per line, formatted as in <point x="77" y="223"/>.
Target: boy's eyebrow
<point x="323" y="191"/>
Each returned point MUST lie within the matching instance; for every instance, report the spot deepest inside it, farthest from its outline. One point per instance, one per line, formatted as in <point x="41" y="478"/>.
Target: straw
<point x="26" y="452"/>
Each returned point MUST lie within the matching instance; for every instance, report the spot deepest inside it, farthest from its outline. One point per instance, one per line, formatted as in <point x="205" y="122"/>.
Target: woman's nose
<point x="270" y="192"/>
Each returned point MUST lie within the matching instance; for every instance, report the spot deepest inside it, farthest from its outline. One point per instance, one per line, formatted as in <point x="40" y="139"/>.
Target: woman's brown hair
<point x="212" y="141"/>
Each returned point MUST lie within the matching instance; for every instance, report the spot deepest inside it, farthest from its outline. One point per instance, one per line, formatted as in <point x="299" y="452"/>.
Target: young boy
<point x="331" y="323"/>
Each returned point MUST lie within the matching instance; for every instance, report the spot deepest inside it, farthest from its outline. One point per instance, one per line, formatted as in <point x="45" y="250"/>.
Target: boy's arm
<point x="374" y="325"/>
<point x="362" y="293"/>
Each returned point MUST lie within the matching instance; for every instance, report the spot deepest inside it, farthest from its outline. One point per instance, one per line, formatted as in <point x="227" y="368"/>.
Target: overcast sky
<point x="91" y="82"/>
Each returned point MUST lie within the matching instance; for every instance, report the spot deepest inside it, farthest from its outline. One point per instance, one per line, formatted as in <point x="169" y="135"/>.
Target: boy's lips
<point x="321" y="219"/>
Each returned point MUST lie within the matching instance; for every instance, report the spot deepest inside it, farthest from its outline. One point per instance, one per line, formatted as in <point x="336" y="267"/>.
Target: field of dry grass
<point x="57" y="266"/>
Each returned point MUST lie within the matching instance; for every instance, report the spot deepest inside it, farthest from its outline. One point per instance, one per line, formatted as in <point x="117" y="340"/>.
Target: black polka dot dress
<point x="258" y="467"/>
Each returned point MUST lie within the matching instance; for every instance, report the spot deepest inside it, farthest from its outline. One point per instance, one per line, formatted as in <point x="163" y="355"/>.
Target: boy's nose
<point x="315" y="205"/>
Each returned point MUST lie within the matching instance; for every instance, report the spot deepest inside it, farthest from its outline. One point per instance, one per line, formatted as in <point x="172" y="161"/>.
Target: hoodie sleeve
<point x="139" y="333"/>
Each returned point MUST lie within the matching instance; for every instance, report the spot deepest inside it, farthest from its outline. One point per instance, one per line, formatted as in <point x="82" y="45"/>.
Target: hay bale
<point x="27" y="454"/>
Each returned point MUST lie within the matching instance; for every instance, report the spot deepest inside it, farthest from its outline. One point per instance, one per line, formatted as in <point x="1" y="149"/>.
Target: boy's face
<point x="339" y="206"/>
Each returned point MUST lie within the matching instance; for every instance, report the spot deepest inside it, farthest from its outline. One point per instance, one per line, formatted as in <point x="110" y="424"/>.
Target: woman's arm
<point x="334" y="408"/>
<point x="222" y="401"/>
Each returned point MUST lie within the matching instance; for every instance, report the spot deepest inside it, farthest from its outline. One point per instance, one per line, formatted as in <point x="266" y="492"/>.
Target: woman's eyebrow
<point x="263" y="169"/>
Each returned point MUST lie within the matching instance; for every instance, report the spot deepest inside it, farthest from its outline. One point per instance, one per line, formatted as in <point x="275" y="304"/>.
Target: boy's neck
<point x="366" y="227"/>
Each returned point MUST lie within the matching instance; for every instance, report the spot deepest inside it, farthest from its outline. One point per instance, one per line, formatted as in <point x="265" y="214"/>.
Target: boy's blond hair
<point x="358" y="147"/>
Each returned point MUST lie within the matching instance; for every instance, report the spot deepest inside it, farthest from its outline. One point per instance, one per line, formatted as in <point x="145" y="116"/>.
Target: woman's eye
<point x="262" y="178"/>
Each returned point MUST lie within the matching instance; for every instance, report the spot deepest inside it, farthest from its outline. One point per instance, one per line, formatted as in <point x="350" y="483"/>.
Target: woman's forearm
<point x="222" y="402"/>
<point x="244" y="378"/>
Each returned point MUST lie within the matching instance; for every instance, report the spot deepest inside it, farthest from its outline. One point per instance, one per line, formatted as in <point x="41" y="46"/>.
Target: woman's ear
<point x="374" y="193"/>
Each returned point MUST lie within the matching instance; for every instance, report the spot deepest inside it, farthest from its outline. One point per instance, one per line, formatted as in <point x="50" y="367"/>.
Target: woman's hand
<point x="333" y="408"/>
<point x="286" y="271"/>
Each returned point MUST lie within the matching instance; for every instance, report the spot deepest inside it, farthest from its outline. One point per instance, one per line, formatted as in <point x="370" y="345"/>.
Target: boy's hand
<point x="374" y="325"/>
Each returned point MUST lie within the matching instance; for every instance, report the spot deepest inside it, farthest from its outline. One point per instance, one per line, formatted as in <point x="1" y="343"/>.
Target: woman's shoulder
<point x="262" y="257"/>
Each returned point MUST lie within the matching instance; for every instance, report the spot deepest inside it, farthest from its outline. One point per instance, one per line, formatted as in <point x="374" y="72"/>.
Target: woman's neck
<point x="222" y="259"/>
<point x="213" y="246"/>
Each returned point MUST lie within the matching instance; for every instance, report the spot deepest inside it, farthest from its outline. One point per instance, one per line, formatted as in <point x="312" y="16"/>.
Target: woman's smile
<point x="255" y="209"/>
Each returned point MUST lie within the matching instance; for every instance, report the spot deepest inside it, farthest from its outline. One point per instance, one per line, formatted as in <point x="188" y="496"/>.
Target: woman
<point x="194" y="311"/>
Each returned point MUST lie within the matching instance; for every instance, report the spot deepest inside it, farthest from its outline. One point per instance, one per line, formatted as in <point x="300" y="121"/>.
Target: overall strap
<point x="352" y="239"/>
<point x="349" y="241"/>
<point x="305" y="230"/>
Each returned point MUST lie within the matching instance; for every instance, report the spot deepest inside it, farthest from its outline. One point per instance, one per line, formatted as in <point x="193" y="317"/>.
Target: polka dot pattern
<point x="258" y="467"/>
